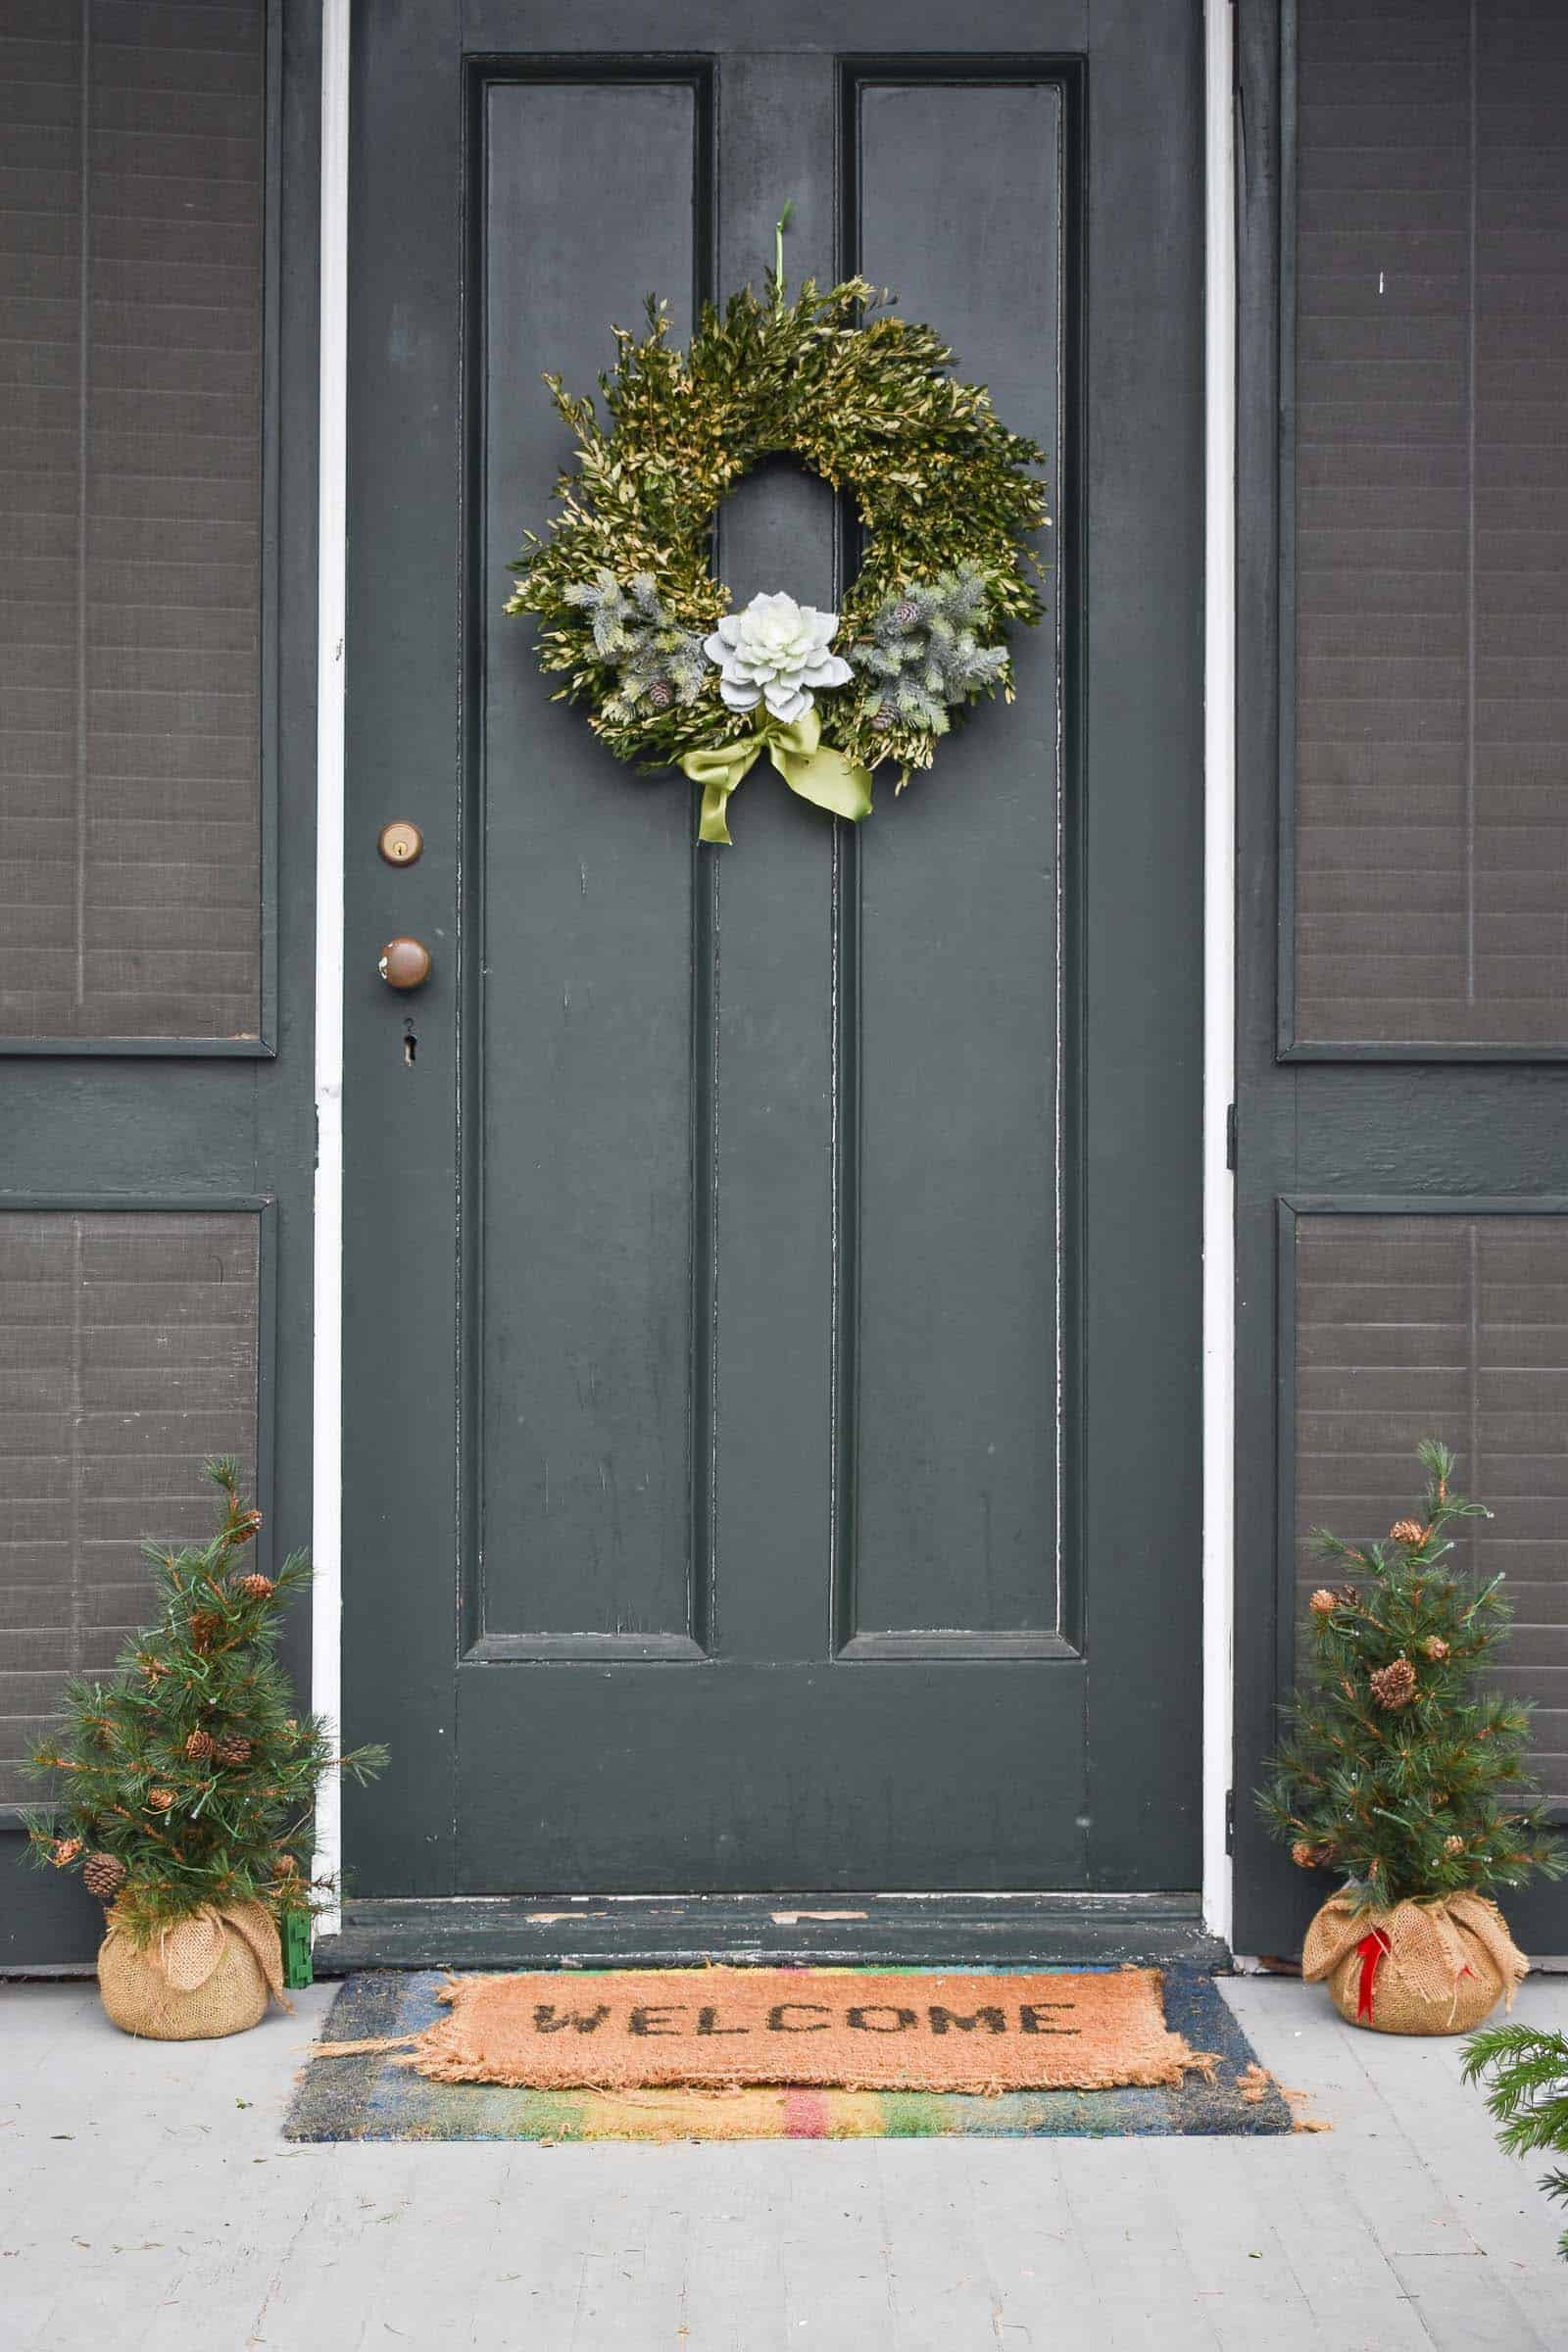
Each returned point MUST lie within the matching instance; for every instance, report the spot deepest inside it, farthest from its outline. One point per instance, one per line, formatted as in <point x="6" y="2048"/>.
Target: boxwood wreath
<point x="634" y="620"/>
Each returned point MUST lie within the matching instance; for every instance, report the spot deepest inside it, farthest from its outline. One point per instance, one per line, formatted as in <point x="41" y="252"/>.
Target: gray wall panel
<point x="1431" y="829"/>
<point x="129" y="1353"/>
<point x="1451" y="1327"/>
<point x="132" y="222"/>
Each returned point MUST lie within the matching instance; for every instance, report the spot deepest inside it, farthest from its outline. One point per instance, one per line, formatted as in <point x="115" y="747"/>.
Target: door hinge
<point x="1230" y="1134"/>
<point x="1230" y="1821"/>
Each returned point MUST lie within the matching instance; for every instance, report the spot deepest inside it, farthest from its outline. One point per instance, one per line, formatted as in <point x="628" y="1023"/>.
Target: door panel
<point x="774" y="1541"/>
<point x="959" y="1001"/>
<point x="583" y="1081"/>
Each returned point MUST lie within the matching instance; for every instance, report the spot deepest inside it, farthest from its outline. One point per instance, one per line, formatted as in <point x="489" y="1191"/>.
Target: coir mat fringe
<point x="373" y="2096"/>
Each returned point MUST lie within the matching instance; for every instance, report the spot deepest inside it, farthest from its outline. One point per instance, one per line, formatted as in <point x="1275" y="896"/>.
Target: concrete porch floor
<point x="149" y="2201"/>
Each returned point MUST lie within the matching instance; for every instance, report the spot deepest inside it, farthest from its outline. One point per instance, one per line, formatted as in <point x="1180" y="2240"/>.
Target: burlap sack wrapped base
<point x="1434" y="1967"/>
<point x="212" y="1974"/>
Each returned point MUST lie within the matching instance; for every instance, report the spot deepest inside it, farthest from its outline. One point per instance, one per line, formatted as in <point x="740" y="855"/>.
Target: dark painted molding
<point x="675" y="1649"/>
<point x="1005" y="1641"/>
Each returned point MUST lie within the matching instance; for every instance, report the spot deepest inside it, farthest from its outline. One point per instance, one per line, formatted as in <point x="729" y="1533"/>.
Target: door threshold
<point x="837" y="1930"/>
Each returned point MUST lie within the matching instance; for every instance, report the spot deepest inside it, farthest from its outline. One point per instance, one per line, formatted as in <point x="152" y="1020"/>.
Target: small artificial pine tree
<point x="1397" y="1768"/>
<point x="1527" y="2093"/>
<point x="189" y="1780"/>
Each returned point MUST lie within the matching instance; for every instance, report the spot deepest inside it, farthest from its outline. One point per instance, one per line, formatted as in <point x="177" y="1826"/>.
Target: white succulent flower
<point x="775" y="653"/>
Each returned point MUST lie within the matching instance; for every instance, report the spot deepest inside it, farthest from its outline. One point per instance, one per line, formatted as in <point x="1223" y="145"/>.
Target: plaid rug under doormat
<point x="370" y="2096"/>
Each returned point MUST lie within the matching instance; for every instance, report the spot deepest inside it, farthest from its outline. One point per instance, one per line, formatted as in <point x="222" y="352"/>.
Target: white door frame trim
<point x="1219" y="944"/>
<point x="1219" y="955"/>
<point x="326" y="1488"/>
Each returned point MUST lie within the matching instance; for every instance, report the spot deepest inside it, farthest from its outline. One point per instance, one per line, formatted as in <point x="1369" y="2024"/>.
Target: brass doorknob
<point x="404" y="962"/>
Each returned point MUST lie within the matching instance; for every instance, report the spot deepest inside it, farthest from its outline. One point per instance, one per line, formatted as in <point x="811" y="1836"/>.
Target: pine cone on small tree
<point x="1323" y="1602"/>
<point x="1394" y="1684"/>
<point x="103" y="1875"/>
<point x="141" y="1812"/>
<point x="1426" y="1791"/>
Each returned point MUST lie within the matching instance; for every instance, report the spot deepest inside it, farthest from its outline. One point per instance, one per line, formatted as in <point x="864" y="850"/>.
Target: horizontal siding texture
<point x="131" y="233"/>
<point x="1452" y="1327"/>
<point x="1431" y="819"/>
<point x="128" y="1355"/>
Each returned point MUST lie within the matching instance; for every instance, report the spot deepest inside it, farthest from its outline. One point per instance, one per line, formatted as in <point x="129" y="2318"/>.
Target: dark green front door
<point x="772" y="1273"/>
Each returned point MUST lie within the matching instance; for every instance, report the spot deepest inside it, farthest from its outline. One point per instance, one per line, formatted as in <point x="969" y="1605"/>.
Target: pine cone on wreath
<point x="199" y="1747"/>
<point x="233" y="1751"/>
<point x="1394" y="1684"/>
<point x="65" y="1853"/>
<point x="159" y="1799"/>
<point x="256" y="1588"/>
<point x="204" y="1626"/>
<point x="1434" y="1648"/>
<point x="1346" y="1596"/>
<point x="242" y="1529"/>
<point x="103" y="1875"/>
<point x="1408" y="1531"/>
<point x="1323" y="1602"/>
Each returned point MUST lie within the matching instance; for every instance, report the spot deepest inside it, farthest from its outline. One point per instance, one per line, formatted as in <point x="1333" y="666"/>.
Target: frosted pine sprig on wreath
<point x="657" y="663"/>
<point x="925" y="658"/>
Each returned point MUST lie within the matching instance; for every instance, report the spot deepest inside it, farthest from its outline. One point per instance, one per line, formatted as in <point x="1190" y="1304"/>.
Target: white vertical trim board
<point x="326" y="1498"/>
<point x="1219" y="957"/>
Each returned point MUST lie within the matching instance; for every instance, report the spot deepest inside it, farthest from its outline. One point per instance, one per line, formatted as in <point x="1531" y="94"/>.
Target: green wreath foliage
<point x="947" y="497"/>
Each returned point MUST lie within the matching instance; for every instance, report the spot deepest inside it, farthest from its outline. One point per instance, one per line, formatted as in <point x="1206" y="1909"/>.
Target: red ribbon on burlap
<point x="1372" y="1949"/>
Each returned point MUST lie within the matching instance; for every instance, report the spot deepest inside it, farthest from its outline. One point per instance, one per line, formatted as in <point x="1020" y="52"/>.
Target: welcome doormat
<point x="377" y="2090"/>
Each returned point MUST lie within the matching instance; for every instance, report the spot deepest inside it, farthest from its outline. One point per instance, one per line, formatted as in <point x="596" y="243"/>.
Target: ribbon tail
<point x="711" y="825"/>
<point x="1371" y="1949"/>
<point x="826" y="778"/>
<point x="719" y="769"/>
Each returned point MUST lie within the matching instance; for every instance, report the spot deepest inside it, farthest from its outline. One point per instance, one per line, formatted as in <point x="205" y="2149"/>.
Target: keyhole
<point x="411" y="1044"/>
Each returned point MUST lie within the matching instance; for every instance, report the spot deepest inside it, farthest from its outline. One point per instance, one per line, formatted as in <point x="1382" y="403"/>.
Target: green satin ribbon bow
<point x="807" y="764"/>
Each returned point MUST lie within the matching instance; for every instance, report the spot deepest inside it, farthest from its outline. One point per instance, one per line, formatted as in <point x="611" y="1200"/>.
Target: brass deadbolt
<point x="400" y="843"/>
<point x="404" y="962"/>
